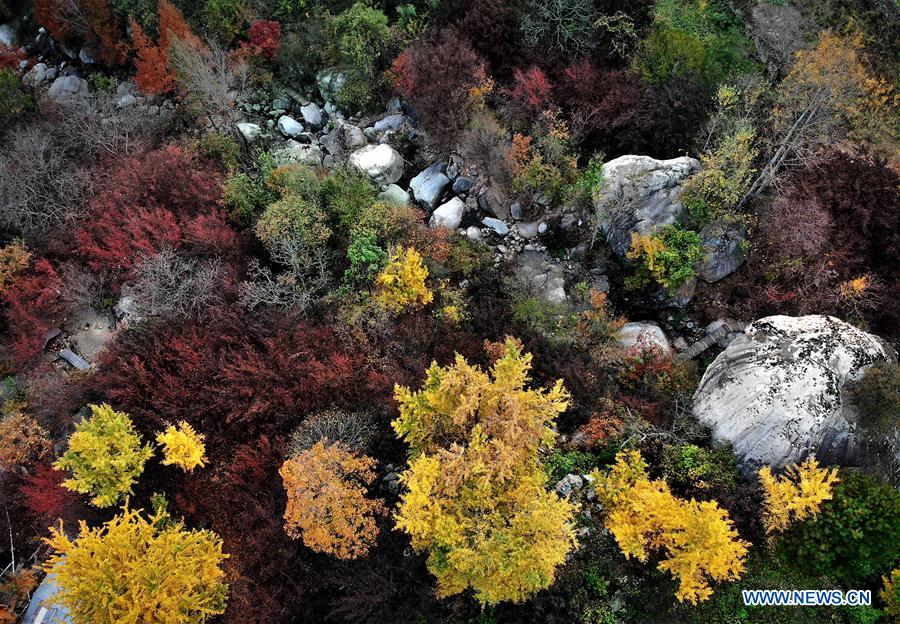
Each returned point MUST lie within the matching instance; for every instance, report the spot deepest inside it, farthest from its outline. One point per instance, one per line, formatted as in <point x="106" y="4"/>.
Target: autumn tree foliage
<point x="437" y="76"/>
<point x="45" y="497"/>
<point x="182" y="447"/>
<point x="265" y="38"/>
<point x="327" y="504"/>
<point x="400" y="285"/>
<point x="14" y="258"/>
<point x="531" y="94"/>
<point x="154" y="76"/>
<point x="92" y="21"/>
<point x="32" y="304"/>
<point x="797" y="494"/>
<point x="476" y="498"/>
<point x="168" y="197"/>
<point x="22" y="442"/>
<point x="698" y="539"/>
<point x="104" y="456"/>
<point x="139" y="569"/>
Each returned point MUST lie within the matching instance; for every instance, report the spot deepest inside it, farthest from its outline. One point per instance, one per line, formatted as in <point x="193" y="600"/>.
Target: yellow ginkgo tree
<point x="105" y="456"/>
<point x="795" y="495"/>
<point x="182" y="447"/>
<point x="476" y="498"/>
<point x="139" y="570"/>
<point x="698" y="539"/>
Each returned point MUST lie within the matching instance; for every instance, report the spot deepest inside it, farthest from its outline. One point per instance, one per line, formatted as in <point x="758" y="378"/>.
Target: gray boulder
<point x="382" y="163"/>
<point x="497" y="225"/>
<point x="298" y="154"/>
<point x="428" y="187"/>
<point x="37" y="75"/>
<point x="250" y="131"/>
<point x="642" y="334"/>
<point x="288" y="126"/>
<point x="568" y="484"/>
<point x="394" y="195"/>
<point x="777" y="393"/>
<point x="391" y="122"/>
<point x="68" y="90"/>
<point x="448" y="215"/>
<point x="462" y="184"/>
<point x="494" y="201"/>
<point x="640" y="194"/>
<point x="723" y="248"/>
<point x="312" y="115"/>
<point x="8" y="35"/>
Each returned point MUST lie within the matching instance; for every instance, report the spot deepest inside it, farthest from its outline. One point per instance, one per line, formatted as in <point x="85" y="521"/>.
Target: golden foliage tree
<point x="891" y="596"/>
<point x="182" y="447"/>
<point x="139" y="570"/>
<point x="105" y="456"/>
<point x="14" y="259"/>
<point x="22" y="440"/>
<point x="796" y="495"/>
<point x="698" y="538"/>
<point x="327" y="505"/>
<point x="476" y="494"/>
<point x="401" y="283"/>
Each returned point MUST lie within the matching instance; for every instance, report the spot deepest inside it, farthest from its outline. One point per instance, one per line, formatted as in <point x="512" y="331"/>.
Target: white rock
<point x="35" y="76"/>
<point x="640" y="194"/>
<point x="298" y="154"/>
<point x="250" y="131"/>
<point x="382" y="163"/>
<point x="448" y="215"/>
<point x="7" y="35"/>
<point x="312" y="115"/>
<point x="395" y="195"/>
<point x="288" y="126"/>
<point x="777" y="392"/>
<point x="642" y="334"/>
<point x="473" y="233"/>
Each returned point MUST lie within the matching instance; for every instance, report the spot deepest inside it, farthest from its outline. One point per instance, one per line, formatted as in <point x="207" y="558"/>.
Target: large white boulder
<point x="640" y="194"/>
<point x="382" y="163"/>
<point x="777" y="392"/>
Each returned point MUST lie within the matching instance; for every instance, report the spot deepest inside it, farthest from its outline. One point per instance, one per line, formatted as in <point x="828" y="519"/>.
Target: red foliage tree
<point x="530" y="95"/>
<point x="32" y="303"/>
<point x="92" y="21"/>
<point x="153" y="73"/>
<point x="436" y="75"/>
<point x="168" y="196"/>
<point x="46" y="498"/>
<point x="236" y="371"/>
<point x="10" y="57"/>
<point x="265" y="37"/>
<point x="492" y="30"/>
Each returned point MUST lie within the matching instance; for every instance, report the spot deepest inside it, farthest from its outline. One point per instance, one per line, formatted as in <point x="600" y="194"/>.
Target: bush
<point x="877" y="396"/>
<point x="294" y="231"/>
<point x="105" y="456"/>
<point x="366" y="259"/>
<point x="14" y="258"/>
<point x="856" y="537"/>
<point x="352" y="430"/>
<point x="221" y="149"/>
<point x="225" y="18"/>
<point x="265" y="38"/>
<point x="22" y="442"/>
<point x="359" y="42"/>
<point x="796" y="495"/>
<point x="32" y="306"/>
<point x="666" y="258"/>
<point x="437" y="75"/>
<point x="169" y="285"/>
<point x="12" y="99"/>
<point x="165" y="197"/>
<point x="543" y="163"/>
<point x="300" y="53"/>
<point x="182" y="447"/>
<point x="530" y="95"/>
<point x="401" y="283"/>
<point x="244" y="198"/>
<point x="694" y="466"/>
<point x="565" y="27"/>
<point x="559" y="464"/>
<point x="705" y="39"/>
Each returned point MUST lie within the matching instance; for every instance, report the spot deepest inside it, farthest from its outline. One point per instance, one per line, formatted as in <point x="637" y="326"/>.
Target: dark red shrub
<point x="46" y="498"/>
<point x="265" y="37"/>
<point x="259" y="375"/>
<point x="10" y="57"/>
<point x="436" y="75"/>
<point x="32" y="305"/>
<point x="167" y="196"/>
<point x="492" y="30"/>
<point x="530" y="95"/>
